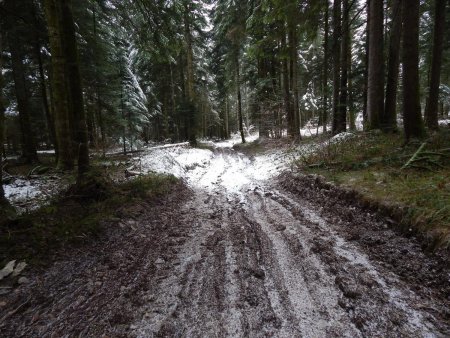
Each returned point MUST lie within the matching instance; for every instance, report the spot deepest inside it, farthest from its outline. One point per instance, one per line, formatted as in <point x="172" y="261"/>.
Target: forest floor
<point x="237" y="250"/>
<point x="377" y="166"/>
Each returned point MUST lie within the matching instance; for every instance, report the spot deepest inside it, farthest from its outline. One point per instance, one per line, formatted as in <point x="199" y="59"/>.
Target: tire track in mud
<point x="270" y="266"/>
<point x="238" y="258"/>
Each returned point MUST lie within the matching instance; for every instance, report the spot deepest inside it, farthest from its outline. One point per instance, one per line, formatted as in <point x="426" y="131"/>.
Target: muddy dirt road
<point x="239" y="254"/>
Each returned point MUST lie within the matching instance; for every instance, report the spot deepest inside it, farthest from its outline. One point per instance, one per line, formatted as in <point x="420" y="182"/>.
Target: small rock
<point x="18" y="269"/>
<point x="259" y="273"/>
<point x="23" y="280"/>
<point x="280" y="227"/>
<point x="159" y="261"/>
<point x="7" y="270"/>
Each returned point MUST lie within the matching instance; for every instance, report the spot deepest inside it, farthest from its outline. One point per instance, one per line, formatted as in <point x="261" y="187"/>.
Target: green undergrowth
<point x="374" y="164"/>
<point x="76" y="216"/>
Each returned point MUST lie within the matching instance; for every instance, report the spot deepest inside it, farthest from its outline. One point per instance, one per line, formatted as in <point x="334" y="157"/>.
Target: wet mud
<point x="237" y="253"/>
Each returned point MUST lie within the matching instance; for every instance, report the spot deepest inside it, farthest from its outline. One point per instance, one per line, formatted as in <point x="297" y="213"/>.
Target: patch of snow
<point x="51" y="151"/>
<point x="341" y="137"/>
<point x="29" y="194"/>
<point x="444" y="123"/>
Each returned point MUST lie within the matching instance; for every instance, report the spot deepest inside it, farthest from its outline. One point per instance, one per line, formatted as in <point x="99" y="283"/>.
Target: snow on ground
<point x="26" y="195"/>
<point x="235" y="139"/>
<point x="199" y="167"/>
<point x="341" y="137"/>
<point x="50" y="151"/>
<point x="175" y="160"/>
<point x="444" y="123"/>
<point x="222" y="166"/>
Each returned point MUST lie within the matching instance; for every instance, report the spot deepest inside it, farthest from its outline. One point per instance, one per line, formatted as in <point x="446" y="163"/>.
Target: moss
<point x="76" y="217"/>
<point x="371" y="164"/>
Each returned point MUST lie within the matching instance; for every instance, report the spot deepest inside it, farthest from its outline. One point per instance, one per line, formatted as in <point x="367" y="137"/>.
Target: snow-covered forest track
<point x="238" y="254"/>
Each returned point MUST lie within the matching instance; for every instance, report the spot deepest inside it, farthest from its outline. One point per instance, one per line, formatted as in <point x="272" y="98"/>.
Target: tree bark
<point x="239" y="99"/>
<point x="366" y="69"/>
<point x="325" y="70"/>
<point x="337" y="30"/>
<point x="412" y="118"/>
<point x="2" y="120"/>
<point x="190" y="79"/>
<point x="431" y="112"/>
<point x="375" y="97"/>
<point x="43" y="85"/>
<point x="350" y="92"/>
<point x="22" y="92"/>
<point x="341" y="118"/>
<point x="389" y="119"/>
<point x="23" y="105"/>
<point x="286" y="92"/>
<point x="293" y="45"/>
<point x="75" y="90"/>
<point x="53" y="13"/>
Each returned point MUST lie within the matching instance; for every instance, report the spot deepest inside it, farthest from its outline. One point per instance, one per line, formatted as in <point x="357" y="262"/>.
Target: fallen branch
<point x="414" y="157"/>
<point x="130" y="173"/>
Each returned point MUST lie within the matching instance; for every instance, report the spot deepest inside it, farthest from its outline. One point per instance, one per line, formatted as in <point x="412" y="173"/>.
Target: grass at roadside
<point x="374" y="164"/>
<point x="74" y="217"/>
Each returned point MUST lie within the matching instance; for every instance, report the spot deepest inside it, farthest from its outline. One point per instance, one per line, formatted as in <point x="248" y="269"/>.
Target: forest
<point x="224" y="168"/>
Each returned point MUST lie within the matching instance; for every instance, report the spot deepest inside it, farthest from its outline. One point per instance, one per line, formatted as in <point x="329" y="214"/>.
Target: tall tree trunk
<point x="172" y="93"/>
<point x="431" y="112"/>
<point x="341" y="118"/>
<point x="99" y="112"/>
<point x="23" y="105"/>
<point x="53" y="13"/>
<point x="43" y="85"/>
<point x="412" y="118"/>
<point x="48" y="114"/>
<point x="286" y="93"/>
<point x="3" y="200"/>
<point x="366" y="69"/>
<point x="351" y="102"/>
<point x="337" y="31"/>
<point x="122" y="110"/>
<point x="190" y="79"/>
<point x="375" y="97"/>
<point x="227" y="118"/>
<point x="293" y="45"/>
<point x="239" y="99"/>
<point x="389" y="119"/>
<point x="75" y="89"/>
<point x="22" y="92"/>
<point x="324" y="119"/>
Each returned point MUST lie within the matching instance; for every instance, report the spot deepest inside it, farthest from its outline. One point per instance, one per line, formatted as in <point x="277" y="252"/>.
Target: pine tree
<point x="53" y="13"/>
<point x="3" y="200"/>
<point x="341" y="117"/>
<point x="75" y="90"/>
<point x="389" y="118"/>
<point x="375" y="97"/>
<point x="431" y="111"/>
<point x="337" y="34"/>
<point x="325" y="68"/>
<point x="22" y="90"/>
<point x="412" y="118"/>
